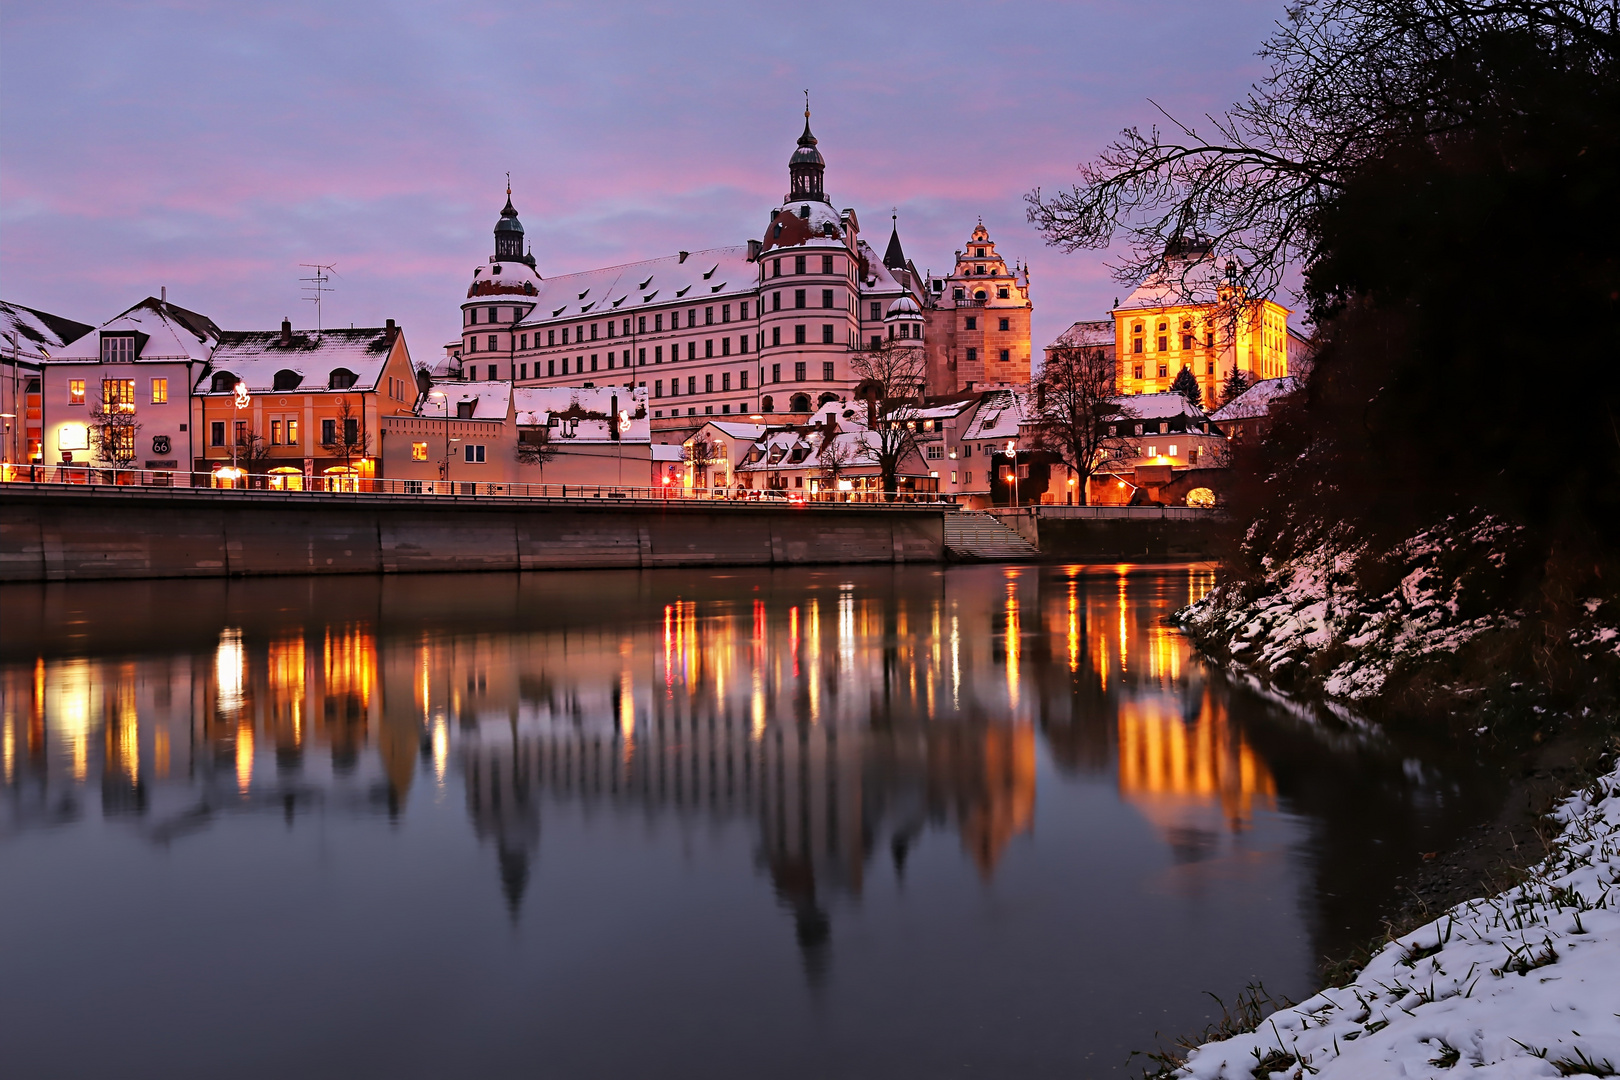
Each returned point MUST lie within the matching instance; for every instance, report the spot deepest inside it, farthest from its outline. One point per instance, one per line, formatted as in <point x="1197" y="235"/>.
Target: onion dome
<point x="903" y="308"/>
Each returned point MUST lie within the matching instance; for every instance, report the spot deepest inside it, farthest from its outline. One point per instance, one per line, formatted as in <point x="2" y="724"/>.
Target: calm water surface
<point x="857" y="823"/>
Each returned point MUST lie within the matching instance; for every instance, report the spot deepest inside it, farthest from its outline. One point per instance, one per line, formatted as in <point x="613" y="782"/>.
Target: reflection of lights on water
<point x="441" y="748"/>
<point x="757" y="704"/>
<point x="846" y="628"/>
<point x="8" y="749"/>
<point x="793" y="637"/>
<point x="956" y="662"/>
<point x="1124" y="635"/>
<point x="1074" y="626"/>
<point x="1014" y="637"/>
<point x="160" y="751"/>
<point x="71" y="711"/>
<point x="230" y="671"/>
<point x="244" y="757"/>
<point x="627" y="707"/>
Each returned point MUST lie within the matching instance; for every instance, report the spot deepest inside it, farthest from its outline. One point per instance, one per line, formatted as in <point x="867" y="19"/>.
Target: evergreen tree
<point x="1186" y="385"/>
<point x="1236" y="382"/>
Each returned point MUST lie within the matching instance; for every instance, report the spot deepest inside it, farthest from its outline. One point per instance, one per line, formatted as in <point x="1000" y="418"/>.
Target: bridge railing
<point x="1170" y="513"/>
<point x="353" y="484"/>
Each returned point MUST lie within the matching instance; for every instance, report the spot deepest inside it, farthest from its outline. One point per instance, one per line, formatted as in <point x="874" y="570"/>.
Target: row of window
<point x="284" y="432"/>
<point x="119" y="393"/>
<point x="801" y="265"/>
<point x="1188" y="338"/>
<point x="800" y="337"/>
<point x="1164" y="369"/>
<point x="799" y="375"/>
<point x="971" y="322"/>
<point x="1002" y="293"/>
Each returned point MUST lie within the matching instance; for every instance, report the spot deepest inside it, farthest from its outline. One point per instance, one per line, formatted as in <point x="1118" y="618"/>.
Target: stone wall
<point x="65" y="534"/>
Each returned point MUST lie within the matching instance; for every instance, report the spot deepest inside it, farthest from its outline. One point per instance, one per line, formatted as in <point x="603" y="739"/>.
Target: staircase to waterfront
<point x="975" y="536"/>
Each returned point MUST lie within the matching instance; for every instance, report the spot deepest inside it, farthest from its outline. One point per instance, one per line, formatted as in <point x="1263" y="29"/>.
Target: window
<point x="742" y="343"/>
<point x="935" y="452"/>
<point x="776" y="268"/>
<point x="216" y="433"/>
<point x="523" y="341"/>
<point x="472" y="316"/>
<point x="351" y="430"/>
<point x="971" y="323"/>
<point x="725" y="380"/>
<point x="1164" y="343"/>
<point x="691" y="350"/>
<point x="75" y="391"/>
<point x="776" y="373"/>
<point x="492" y="316"/>
<point x="877" y="311"/>
<point x="473" y="452"/>
<point x="1136" y="371"/>
<point x="593" y="366"/>
<point x="691" y="384"/>
<point x="491" y="373"/>
<point x="826" y="371"/>
<point x="658" y="388"/>
<point x="708" y="384"/>
<point x="767" y="404"/>
<point x="826" y="333"/>
<point x="972" y="355"/>
<point x="742" y="379"/>
<point x="1210" y="368"/>
<point x="1164" y="371"/>
<point x="328" y="432"/>
<point x="1152" y="451"/>
<point x="118" y="394"/>
<point x="1001" y="293"/>
<point x="418" y="451"/>
<point x="776" y="301"/>
<point x="742" y="311"/>
<point x="691" y="317"/>
<point x="117" y="348"/>
<point x="979" y="270"/>
<point x="967" y="450"/>
<point x="551" y="367"/>
<point x="826" y="298"/>
<point x="1006" y="355"/>
<point x="160" y="391"/>
<point x="978" y="253"/>
<point x="776" y="336"/>
<point x="551" y="337"/>
<point x="798" y="371"/>
<point x="292" y="432"/>
<point x="798" y="334"/>
<point x="1006" y="324"/>
<point x="708" y="347"/>
<point x="641" y="357"/>
<point x="798" y="264"/>
<point x="1172" y="449"/>
<point x="798" y="298"/>
<point x="959" y="294"/>
<point x="593" y="331"/>
<point x="877" y="342"/>
<point x="275" y="433"/>
<point x="708" y="316"/>
<point x="826" y="264"/>
<point x="523" y="371"/>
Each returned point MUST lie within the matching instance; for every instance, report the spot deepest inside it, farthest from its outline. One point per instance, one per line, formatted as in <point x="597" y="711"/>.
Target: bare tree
<point x="1347" y="78"/>
<point x="534" y="447"/>
<point x="1079" y="412"/>
<point x="350" y="439"/>
<point x="891" y="380"/>
<point x="834" y="456"/>
<point x="700" y="453"/>
<point x="113" y="427"/>
<point x="252" y="450"/>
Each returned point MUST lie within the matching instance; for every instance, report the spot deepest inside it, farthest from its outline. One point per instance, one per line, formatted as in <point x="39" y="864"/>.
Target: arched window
<point x="825" y="398"/>
<point x="341" y="379"/>
<point x="800" y="403"/>
<point x="286" y="379"/>
<point x="1201" y="497"/>
<point x="979" y="295"/>
<point x="767" y="404"/>
<point x="224" y="382"/>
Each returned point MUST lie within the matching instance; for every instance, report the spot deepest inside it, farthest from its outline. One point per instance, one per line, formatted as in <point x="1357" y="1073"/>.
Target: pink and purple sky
<point x="212" y="147"/>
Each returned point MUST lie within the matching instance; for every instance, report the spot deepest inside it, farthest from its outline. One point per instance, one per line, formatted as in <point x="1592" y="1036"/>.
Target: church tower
<point x="509" y="234"/>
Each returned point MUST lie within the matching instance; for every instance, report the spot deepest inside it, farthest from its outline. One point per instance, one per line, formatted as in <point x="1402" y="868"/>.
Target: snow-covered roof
<point x="255" y="356"/>
<point x="1177" y="281"/>
<point x="506" y="280"/>
<point x="584" y="412"/>
<point x="1257" y="400"/>
<point x="1163" y="406"/>
<point x="736" y="430"/>
<point x="166" y="332"/>
<point x="702" y="276"/>
<point x="1086" y="335"/>
<point x="39" y="335"/>
<point x="668" y="452"/>
<point x="1000" y="412"/>
<point x="490" y="400"/>
<point x="804" y="223"/>
<point x="904" y="308"/>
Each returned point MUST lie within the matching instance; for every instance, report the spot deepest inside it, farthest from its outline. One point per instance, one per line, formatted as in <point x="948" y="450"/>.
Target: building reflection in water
<point x="842" y="717"/>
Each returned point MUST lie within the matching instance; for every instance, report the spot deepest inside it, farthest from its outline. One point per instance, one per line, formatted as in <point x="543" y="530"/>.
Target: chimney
<point x="163" y="293"/>
<point x="390" y="331"/>
<point x="286" y="333"/>
<point x="684" y="254"/>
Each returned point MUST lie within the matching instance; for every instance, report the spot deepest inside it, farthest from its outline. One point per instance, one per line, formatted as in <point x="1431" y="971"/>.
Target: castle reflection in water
<point x="842" y="716"/>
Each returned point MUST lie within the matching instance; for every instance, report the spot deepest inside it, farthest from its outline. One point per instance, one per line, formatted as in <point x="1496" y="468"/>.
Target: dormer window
<point x="286" y="379"/>
<point x="343" y="378"/>
<point x="979" y="254"/>
<point x="117" y="348"/>
<point x="465" y="409"/>
<point x="804" y="211"/>
<point x="223" y="383"/>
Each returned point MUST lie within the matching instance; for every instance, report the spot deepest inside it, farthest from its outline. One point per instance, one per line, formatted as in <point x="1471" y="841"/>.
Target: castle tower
<point x="806" y="166"/>
<point x="978" y="321"/>
<point x="509" y="235"/>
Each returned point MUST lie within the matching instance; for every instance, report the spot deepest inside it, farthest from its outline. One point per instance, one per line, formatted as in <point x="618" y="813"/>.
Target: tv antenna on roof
<point x="318" y="286"/>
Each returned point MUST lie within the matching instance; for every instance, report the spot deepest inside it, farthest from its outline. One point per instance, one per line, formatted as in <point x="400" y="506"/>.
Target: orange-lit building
<point x="978" y="321"/>
<point x="1187" y="315"/>
<point x="310" y="404"/>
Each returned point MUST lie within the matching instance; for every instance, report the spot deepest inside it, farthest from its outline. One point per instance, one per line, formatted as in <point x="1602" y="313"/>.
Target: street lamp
<point x="1012" y="465"/>
<point x="444" y="466"/>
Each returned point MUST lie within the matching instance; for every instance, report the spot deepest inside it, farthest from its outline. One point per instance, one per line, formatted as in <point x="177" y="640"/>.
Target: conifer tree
<point x="1236" y="382"/>
<point x="1186" y="384"/>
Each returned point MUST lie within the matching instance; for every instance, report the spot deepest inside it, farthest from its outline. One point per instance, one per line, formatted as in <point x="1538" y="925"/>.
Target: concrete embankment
<point x="85" y="533"/>
<point x="1115" y="534"/>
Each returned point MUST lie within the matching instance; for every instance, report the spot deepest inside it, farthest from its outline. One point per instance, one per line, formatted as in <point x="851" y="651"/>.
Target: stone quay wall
<point x="100" y="532"/>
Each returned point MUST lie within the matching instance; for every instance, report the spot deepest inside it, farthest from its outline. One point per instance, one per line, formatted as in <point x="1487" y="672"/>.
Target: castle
<point x="764" y="329"/>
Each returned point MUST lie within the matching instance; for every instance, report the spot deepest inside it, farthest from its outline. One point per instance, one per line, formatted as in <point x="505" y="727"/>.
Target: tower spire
<point x="806" y="166"/>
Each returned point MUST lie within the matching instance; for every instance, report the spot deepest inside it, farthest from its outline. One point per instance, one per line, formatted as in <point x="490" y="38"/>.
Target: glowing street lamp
<point x="241" y="400"/>
<point x="1012" y="471"/>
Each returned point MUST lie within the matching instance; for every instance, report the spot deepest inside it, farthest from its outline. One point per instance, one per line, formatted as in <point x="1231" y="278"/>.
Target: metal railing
<point x="356" y="485"/>
<point x="1049" y="511"/>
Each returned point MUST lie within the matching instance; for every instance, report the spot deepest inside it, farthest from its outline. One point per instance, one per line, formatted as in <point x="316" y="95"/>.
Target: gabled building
<point x="28" y="338"/>
<point x="1097" y="335"/>
<point x="121" y="395"/>
<point x="978" y="320"/>
<point x="1247" y="417"/>
<point x="1166" y="451"/>
<point x="301" y="405"/>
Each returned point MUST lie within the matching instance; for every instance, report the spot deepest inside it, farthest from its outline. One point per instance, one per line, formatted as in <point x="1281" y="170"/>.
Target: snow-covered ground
<point x="1312" y="602"/>
<point x="1522" y="984"/>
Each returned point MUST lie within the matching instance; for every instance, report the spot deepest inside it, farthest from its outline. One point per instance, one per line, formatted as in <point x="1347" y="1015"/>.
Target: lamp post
<point x="1012" y="465"/>
<point x="444" y="465"/>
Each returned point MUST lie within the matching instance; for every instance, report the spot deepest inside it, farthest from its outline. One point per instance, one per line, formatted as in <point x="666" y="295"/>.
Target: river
<point x="853" y="822"/>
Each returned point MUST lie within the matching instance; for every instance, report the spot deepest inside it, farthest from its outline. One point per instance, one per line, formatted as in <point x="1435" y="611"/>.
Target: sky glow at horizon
<point x="212" y="148"/>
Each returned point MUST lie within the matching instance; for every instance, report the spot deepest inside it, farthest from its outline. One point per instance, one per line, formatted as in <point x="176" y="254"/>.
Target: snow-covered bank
<point x="1309" y="618"/>
<point x="1522" y="984"/>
